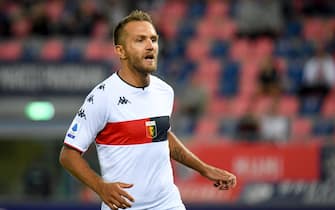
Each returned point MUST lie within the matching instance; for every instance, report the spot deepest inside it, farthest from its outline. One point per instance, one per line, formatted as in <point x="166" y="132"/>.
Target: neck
<point x="135" y="78"/>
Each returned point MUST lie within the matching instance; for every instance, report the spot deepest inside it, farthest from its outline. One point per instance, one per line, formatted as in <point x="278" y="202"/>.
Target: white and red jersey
<point x="129" y="127"/>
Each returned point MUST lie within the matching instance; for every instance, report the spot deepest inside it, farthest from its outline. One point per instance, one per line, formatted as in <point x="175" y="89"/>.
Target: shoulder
<point x="101" y="90"/>
<point x="106" y="85"/>
<point x="160" y="83"/>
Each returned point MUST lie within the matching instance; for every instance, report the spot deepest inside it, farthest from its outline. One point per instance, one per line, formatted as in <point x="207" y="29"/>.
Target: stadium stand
<point x="199" y="38"/>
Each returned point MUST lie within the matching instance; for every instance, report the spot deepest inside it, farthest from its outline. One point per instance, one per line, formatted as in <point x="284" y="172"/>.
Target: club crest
<point x="151" y="129"/>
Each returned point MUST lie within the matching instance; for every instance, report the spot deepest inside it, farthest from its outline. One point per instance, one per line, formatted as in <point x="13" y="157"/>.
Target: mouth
<point x="150" y="58"/>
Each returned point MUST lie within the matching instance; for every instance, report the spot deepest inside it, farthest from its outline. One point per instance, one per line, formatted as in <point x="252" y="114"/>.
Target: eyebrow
<point x="144" y="36"/>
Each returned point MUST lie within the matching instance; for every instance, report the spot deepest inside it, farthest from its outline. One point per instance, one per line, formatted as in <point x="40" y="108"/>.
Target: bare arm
<point x="111" y="193"/>
<point x="222" y="178"/>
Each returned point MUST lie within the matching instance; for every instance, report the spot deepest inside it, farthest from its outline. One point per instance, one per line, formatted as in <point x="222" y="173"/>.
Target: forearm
<point x="181" y="154"/>
<point x="73" y="162"/>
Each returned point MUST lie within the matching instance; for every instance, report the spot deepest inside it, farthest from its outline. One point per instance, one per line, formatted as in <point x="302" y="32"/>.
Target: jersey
<point x="129" y="127"/>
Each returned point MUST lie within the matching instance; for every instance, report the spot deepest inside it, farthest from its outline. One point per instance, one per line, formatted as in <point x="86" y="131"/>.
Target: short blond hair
<point x="136" y="15"/>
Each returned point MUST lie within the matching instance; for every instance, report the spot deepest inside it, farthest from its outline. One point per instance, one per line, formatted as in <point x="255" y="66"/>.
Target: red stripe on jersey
<point x="124" y="133"/>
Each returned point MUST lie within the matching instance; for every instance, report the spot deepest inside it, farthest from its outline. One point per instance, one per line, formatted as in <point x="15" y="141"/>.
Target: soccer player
<point x="127" y="116"/>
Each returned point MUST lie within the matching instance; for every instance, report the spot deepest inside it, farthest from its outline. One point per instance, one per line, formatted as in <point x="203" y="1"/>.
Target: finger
<point x="125" y="203"/>
<point x="112" y="206"/>
<point x="233" y="182"/>
<point x="127" y="195"/>
<point x="116" y="203"/>
<point x="223" y="187"/>
<point x="125" y="185"/>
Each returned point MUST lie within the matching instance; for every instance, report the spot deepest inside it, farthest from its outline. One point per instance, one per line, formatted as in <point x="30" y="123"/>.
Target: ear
<point x="119" y="50"/>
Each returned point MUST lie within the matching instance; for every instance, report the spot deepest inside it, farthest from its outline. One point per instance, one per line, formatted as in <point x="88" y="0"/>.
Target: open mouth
<point x="149" y="57"/>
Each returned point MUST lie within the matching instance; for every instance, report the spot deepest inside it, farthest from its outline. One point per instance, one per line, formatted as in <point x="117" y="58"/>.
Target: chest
<point x="139" y="105"/>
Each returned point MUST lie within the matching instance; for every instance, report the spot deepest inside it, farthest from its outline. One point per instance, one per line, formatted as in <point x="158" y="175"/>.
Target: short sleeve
<point x="89" y="120"/>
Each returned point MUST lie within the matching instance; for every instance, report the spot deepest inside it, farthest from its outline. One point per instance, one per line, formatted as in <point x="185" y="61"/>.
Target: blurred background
<point x="254" y="85"/>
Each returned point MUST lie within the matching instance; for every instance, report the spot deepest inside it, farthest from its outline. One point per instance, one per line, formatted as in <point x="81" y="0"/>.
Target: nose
<point x="149" y="45"/>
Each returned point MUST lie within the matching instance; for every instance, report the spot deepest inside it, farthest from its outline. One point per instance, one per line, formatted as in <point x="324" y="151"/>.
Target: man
<point x="128" y="116"/>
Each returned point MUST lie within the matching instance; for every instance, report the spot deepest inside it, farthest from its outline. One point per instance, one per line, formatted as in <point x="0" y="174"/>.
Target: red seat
<point x="52" y="50"/>
<point x="240" y="49"/>
<point x="263" y="47"/>
<point x="95" y="50"/>
<point x="217" y="107"/>
<point x="288" y="106"/>
<point x="315" y="29"/>
<point x="225" y="29"/>
<point x="301" y="129"/>
<point x="197" y="49"/>
<point x="262" y="105"/>
<point x="205" y="29"/>
<point x="328" y="108"/>
<point x="10" y="50"/>
<point x="238" y="105"/>
<point x="217" y="9"/>
<point x="206" y="127"/>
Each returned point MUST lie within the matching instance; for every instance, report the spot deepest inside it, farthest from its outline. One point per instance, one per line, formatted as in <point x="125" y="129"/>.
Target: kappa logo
<point x="123" y="100"/>
<point x="90" y="99"/>
<point x="102" y="87"/>
<point x="81" y="114"/>
<point x="151" y="129"/>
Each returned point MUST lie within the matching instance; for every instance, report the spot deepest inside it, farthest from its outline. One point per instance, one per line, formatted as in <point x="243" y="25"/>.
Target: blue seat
<point x="72" y="54"/>
<point x="294" y="75"/>
<point x="229" y="79"/>
<point x="310" y="106"/>
<point x="293" y="29"/>
<point x="219" y="49"/>
<point x="323" y="127"/>
<point x="197" y="9"/>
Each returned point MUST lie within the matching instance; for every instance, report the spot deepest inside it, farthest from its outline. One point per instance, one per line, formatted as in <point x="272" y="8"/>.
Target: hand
<point x="223" y="180"/>
<point x="114" y="196"/>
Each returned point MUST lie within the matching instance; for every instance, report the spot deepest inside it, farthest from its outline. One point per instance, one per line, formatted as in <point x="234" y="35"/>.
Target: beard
<point x="140" y="64"/>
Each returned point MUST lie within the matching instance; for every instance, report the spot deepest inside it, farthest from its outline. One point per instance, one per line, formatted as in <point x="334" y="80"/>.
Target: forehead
<point x="136" y="28"/>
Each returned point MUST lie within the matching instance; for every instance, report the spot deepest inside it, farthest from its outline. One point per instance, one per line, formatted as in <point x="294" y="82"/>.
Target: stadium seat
<point x="219" y="49"/>
<point x="310" y="106"/>
<point x="328" y="107"/>
<point x="94" y="51"/>
<point x="227" y="127"/>
<point x="196" y="9"/>
<point x="301" y="128"/>
<point x="206" y="127"/>
<point x="288" y="106"/>
<point x="294" y="75"/>
<point x="263" y="47"/>
<point x="229" y="79"/>
<point x="10" y="50"/>
<point x="225" y="29"/>
<point x="293" y="29"/>
<point x="74" y="50"/>
<point x="32" y="49"/>
<point x="238" y="105"/>
<point x="217" y="9"/>
<point x="206" y="29"/>
<point x="197" y="49"/>
<point x="262" y="105"/>
<point x="315" y="29"/>
<point x="218" y="106"/>
<point x="52" y="50"/>
<point x="240" y="49"/>
<point x="323" y="127"/>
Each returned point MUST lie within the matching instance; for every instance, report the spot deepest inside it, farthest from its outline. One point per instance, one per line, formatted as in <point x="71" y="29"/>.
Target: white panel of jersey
<point x="129" y="127"/>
